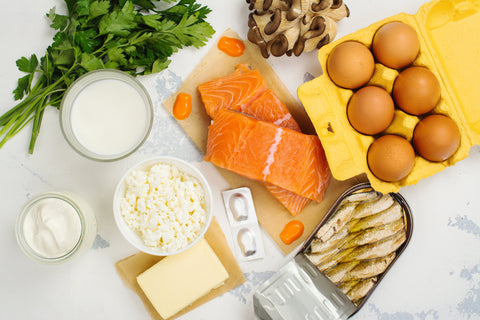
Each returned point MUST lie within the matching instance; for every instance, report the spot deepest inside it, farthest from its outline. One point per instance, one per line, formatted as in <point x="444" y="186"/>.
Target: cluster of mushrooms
<point x="289" y="27"/>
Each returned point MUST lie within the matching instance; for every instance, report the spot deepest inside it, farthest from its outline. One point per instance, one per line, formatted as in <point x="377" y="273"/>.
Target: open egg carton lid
<point x="448" y="47"/>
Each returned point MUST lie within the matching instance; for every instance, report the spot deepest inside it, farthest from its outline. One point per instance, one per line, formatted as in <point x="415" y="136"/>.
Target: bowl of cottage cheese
<point x="163" y="205"/>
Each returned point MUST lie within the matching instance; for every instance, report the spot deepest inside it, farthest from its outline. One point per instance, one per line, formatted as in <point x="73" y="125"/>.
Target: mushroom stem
<point x="337" y="13"/>
<point x="297" y="9"/>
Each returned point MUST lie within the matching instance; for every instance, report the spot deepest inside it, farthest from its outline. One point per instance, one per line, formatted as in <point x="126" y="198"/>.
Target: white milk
<point x="109" y="117"/>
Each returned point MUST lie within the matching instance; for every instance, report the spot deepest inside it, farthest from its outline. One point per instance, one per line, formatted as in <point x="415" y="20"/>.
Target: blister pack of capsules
<point x="243" y="222"/>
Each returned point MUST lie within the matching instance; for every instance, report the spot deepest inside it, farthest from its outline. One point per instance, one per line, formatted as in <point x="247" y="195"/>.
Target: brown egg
<point x="370" y="110"/>
<point x="416" y="90"/>
<point x="436" y="138"/>
<point x="396" y="45"/>
<point x="391" y="158"/>
<point x="350" y="64"/>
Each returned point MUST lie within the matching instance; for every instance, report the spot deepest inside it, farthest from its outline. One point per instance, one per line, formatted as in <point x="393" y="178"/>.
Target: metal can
<point x="302" y="290"/>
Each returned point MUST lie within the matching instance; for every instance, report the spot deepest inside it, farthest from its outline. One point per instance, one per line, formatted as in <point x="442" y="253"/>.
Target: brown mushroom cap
<point x="274" y="23"/>
<point x="320" y="5"/>
<point x="279" y="45"/>
<point x="254" y="35"/>
<point x="336" y="4"/>
<point x="316" y="29"/>
<point x="265" y="5"/>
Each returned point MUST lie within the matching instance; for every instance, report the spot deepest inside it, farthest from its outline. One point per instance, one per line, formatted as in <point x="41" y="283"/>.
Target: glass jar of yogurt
<point x="54" y="227"/>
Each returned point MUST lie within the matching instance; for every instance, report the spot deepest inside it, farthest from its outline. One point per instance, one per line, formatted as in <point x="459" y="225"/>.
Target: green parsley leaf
<point x="22" y="87"/>
<point x="27" y="65"/>
<point x="144" y="3"/>
<point x="63" y="57"/>
<point x="59" y="22"/>
<point x="61" y="41"/>
<point x="90" y="62"/>
<point x="116" y="55"/>
<point x="99" y="8"/>
<point x="119" y="22"/>
<point x="87" y="40"/>
<point x="159" y="65"/>
<point x="83" y="7"/>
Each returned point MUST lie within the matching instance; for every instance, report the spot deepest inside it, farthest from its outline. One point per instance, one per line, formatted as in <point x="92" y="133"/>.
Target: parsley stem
<point x="123" y="35"/>
<point x="37" y="122"/>
<point x="31" y="108"/>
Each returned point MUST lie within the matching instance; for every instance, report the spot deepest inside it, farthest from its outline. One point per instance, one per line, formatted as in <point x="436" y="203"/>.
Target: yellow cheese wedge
<point x="177" y="281"/>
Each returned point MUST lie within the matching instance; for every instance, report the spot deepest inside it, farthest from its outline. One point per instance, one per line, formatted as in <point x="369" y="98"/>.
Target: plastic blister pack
<point x="243" y="222"/>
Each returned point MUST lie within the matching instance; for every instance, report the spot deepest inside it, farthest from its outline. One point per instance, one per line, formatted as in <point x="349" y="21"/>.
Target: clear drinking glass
<point x="75" y="90"/>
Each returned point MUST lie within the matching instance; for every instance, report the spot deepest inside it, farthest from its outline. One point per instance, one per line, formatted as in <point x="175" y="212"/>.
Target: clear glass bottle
<point x="82" y="216"/>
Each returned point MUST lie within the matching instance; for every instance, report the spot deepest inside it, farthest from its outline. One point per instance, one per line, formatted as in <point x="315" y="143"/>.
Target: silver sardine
<point x="372" y="207"/>
<point x="389" y="215"/>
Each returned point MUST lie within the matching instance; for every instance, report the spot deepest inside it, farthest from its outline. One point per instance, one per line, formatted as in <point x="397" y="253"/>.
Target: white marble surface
<point x="437" y="277"/>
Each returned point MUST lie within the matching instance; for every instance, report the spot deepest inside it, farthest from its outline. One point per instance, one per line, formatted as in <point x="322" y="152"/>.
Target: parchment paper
<point x="129" y="268"/>
<point x="271" y="214"/>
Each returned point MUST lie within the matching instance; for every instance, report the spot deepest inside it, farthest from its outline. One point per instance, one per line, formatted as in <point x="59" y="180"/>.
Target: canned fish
<point x="243" y="223"/>
<point x="352" y="249"/>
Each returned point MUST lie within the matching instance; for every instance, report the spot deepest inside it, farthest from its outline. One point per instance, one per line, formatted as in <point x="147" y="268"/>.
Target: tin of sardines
<point x="343" y="260"/>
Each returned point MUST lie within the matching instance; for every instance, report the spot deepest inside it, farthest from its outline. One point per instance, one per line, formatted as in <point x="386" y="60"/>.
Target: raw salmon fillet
<point x="264" y="151"/>
<point x="270" y="108"/>
<point x="265" y="106"/>
<point x="233" y="91"/>
<point x="290" y="200"/>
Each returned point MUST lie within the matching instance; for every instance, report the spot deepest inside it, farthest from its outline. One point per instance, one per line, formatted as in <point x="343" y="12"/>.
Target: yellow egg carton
<point x="449" y="47"/>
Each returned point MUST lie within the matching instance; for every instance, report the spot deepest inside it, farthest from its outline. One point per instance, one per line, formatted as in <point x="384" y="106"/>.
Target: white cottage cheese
<point x="165" y="206"/>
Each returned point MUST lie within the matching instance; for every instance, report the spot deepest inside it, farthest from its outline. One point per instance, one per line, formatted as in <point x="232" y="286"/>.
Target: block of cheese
<point x="177" y="281"/>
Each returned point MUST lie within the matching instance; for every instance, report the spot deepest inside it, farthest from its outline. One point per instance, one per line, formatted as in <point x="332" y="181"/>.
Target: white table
<point x="437" y="277"/>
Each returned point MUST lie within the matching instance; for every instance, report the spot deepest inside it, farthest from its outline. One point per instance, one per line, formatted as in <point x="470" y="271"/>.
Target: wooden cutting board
<point x="271" y="214"/>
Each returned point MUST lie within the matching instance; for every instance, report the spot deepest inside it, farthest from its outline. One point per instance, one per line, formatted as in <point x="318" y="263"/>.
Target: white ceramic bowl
<point x="132" y="236"/>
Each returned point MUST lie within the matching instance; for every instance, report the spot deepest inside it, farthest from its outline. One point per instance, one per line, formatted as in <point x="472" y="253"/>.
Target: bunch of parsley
<point x="129" y="35"/>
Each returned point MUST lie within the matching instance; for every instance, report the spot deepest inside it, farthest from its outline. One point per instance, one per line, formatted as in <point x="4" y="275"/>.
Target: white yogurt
<point x="52" y="227"/>
<point x="109" y="117"/>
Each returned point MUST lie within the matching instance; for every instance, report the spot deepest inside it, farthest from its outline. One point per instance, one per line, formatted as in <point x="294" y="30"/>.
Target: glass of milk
<point x="54" y="227"/>
<point x="106" y="115"/>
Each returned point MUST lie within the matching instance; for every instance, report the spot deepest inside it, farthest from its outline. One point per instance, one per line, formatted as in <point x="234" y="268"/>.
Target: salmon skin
<point x="266" y="152"/>
<point x="234" y="91"/>
<point x="259" y="102"/>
